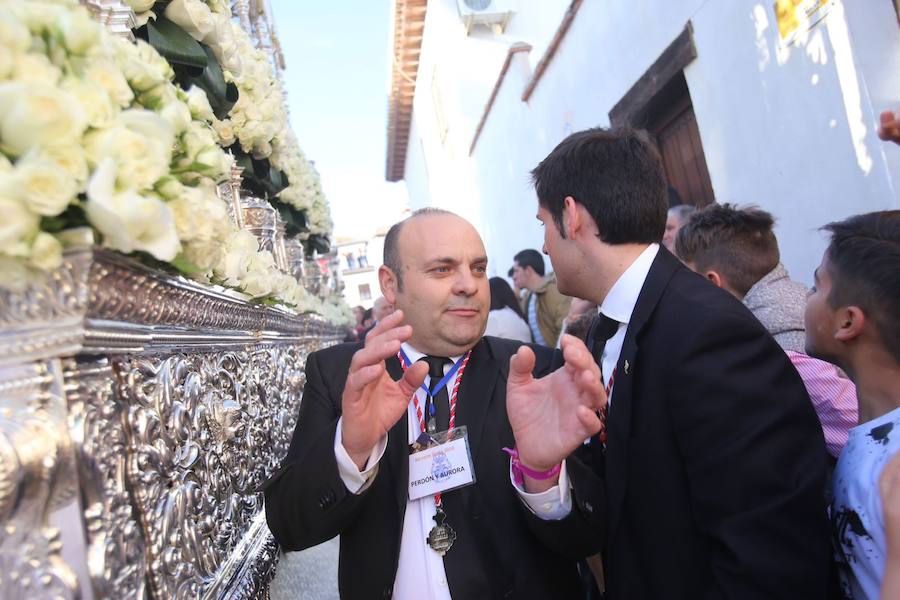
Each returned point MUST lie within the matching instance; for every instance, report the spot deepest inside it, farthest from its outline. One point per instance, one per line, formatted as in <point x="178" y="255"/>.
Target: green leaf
<point x="222" y="96"/>
<point x="73" y="216"/>
<point x="185" y="266"/>
<point x="175" y="44"/>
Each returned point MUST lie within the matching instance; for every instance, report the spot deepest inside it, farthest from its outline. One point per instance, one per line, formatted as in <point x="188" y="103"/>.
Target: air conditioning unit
<point x="493" y="13"/>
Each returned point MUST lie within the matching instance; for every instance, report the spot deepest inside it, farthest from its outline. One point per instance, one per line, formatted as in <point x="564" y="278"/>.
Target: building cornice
<point x="409" y="27"/>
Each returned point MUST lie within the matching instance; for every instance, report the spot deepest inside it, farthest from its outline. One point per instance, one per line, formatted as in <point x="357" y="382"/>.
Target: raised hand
<point x="372" y="402"/>
<point x="552" y="416"/>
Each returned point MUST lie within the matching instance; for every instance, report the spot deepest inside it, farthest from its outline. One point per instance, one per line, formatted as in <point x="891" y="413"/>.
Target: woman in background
<point x="506" y="319"/>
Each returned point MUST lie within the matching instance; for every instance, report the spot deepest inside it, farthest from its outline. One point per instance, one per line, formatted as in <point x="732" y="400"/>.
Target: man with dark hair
<point x="544" y="307"/>
<point x="392" y="431"/>
<point x="706" y="479"/>
<point x="853" y="320"/>
<point x="735" y="248"/>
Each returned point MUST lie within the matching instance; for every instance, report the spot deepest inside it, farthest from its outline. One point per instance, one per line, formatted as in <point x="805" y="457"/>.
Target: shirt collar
<point x="415" y="355"/>
<point x="623" y="295"/>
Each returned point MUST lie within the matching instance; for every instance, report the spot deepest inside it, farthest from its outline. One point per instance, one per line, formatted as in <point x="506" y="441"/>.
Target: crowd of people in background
<point x="840" y="340"/>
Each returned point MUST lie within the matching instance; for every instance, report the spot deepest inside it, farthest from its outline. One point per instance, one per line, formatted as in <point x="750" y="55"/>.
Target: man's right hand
<point x="372" y="402"/>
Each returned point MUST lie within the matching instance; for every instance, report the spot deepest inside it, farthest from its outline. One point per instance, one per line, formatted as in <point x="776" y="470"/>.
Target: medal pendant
<point x="441" y="536"/>
<point x="432" y="425"/>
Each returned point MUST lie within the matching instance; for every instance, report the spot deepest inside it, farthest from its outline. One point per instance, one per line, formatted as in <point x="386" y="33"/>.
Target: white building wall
<point x="791" y="129"/>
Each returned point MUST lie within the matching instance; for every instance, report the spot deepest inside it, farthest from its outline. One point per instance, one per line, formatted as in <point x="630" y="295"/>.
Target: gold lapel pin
<point x="627" y="367"/>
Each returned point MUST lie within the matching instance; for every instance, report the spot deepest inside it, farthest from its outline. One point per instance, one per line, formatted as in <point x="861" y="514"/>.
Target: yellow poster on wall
<point x="798" y="16"/>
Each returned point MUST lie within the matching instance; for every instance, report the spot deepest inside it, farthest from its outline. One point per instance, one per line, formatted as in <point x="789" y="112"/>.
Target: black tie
<point x="442" y="398"/>
<point x="602" y="329"/>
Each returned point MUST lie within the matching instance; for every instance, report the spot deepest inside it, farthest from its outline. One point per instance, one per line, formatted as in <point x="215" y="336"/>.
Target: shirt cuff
<point x="356" y="481"/>
<point x="552" y="505"/>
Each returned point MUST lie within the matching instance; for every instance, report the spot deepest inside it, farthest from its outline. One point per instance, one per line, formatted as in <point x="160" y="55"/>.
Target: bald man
<point x="399" y="444"/>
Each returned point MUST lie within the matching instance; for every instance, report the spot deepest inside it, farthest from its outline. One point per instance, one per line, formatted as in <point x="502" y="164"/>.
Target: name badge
<point x="439" y="462"/>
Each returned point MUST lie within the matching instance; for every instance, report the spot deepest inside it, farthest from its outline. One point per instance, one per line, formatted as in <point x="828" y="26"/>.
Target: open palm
<point x="372" y="402"/>
<point x="552" y="416"/>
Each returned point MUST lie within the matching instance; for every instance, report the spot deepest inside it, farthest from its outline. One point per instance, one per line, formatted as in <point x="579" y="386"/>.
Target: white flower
<point x="41" y="184"/>
<point x="15" y="275"/>
<point x="199" y="105"/>
<point x="69" y="157"/>
<point x="177" y="114"/>
<point x="140" y="142"/>
<point x="37" y="115"/>
<point x="203" y="254"/>
<point x="219" y="6"/>
<point x="169" y="187"/>
<point x="140" y="6"/>
<point x="107" y="75"/>
<point x="130" y="221"/>
<point x="77" y="30"/>
<point x="14" y="35"/>
<point x="98" y="107"/>
<point x="17" y="227"/>
<point x="46" y="252"/>
<point x="143" y="67"/>
<point x="199" y="214"/>
<point x="224" y="43"/>
<point x="191" y="15"/>
<point x="225" y="132"/>
<point x="35" y="68"/>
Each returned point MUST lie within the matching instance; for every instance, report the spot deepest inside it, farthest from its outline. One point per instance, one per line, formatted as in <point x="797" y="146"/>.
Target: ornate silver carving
<point x="36" y="477"/>
<point x="281" y="257"/>
<point x="115" y="15"/>
<point x="156" y="408"/>
<point x="259" y="218"/>
<point x="115" y="546"/>
<point x="295" y="257"/>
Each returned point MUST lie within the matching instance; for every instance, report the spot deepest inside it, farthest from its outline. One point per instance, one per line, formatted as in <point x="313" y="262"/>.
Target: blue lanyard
<point x="441" y="384"/>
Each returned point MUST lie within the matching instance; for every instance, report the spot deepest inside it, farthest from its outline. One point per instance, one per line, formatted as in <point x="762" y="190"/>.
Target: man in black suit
<point x="707" y="479"/>
<point x="348" y="468"/>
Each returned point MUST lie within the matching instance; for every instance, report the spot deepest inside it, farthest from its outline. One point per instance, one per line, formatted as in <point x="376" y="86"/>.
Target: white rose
<point x="18" y="226"/>
<point x="140" y="142"/>
<point x="143" y="67"/>
<point x="14" y="35"/>
<point x="177" y="114"/>
<point x="225" y="132"/>
<point x="223" y="41"/>
<point x="39" y="17"/>
<point x="203" y="254"/>
<point x="46" y="252"/>
<point x="140" y="6"/>
<point x="43" y="186"/>
<point x="130" y="221"/>
<point x="37" y="115"/>
<point x="15" y="275"/>
<point x="108" y="75"/>
<point x="191" y="15"/>
<point x="70" y="158"/>
<point x="98" y="107"/>
<point x="199" y="105"/>
<point x="35" y="68"/>
<point x="219" y="6"/>
<point x="199" y="214"/>
<point x="169" y="187"/>
<point x="77" y="30"/>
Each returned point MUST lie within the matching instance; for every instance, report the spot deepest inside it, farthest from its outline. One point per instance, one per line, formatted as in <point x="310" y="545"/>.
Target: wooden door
<point x="678" y="138"/>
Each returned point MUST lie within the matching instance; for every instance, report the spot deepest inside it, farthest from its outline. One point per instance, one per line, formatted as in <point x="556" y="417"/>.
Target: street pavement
<point x="307" y="575"/>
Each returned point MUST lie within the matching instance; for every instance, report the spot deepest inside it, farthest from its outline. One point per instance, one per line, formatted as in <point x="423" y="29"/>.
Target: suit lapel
<point x="476" y="391"/>
<point x="620" y="415"/>
<point x="397" y="451"/>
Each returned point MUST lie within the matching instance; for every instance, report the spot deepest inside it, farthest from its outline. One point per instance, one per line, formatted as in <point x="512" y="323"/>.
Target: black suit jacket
<point x="495" y="555"/>
<point x="711" y="484"/>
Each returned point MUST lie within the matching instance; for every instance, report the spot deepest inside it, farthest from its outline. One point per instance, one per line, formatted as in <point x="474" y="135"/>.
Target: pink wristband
<point x="519" y="470"/>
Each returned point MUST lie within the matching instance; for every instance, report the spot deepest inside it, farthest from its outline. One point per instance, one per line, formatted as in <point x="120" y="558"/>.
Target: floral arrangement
<point x="94" y="132"/>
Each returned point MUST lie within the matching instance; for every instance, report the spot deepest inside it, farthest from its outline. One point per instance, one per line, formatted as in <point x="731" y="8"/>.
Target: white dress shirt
<point x="619" y="305"/>
<point x="420" y="571"/>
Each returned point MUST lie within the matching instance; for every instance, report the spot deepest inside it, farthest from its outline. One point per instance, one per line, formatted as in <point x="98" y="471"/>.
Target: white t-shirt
<point x="506" y="323"/>
<point x="857" y="518"/>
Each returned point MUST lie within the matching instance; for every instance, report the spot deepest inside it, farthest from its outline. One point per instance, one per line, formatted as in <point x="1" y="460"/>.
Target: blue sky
<point x="337" y="57"/>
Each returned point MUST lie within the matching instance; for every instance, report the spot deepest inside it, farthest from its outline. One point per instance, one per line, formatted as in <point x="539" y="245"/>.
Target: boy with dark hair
<point x="735" y="248"/>
<point x="853" y="321"/>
